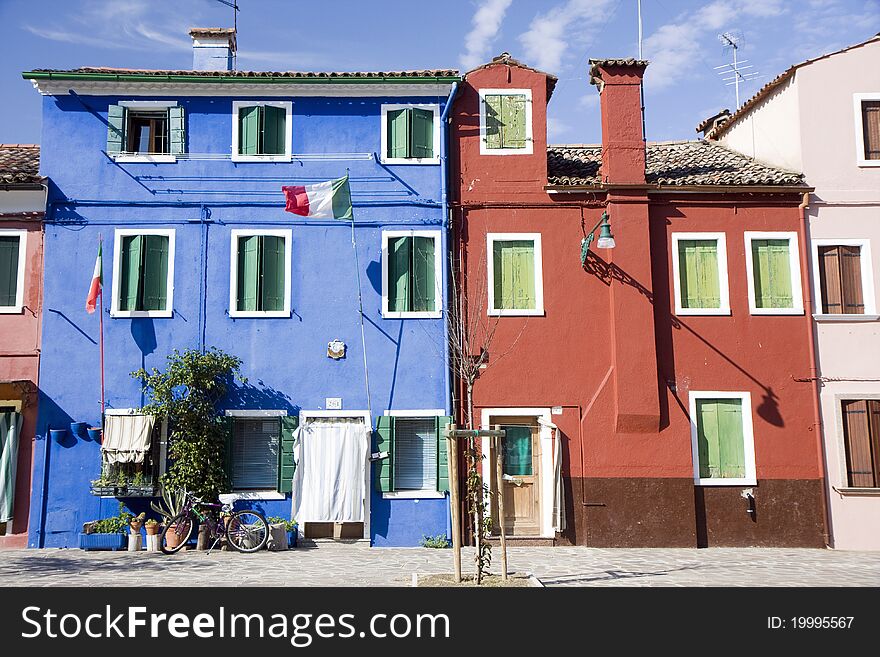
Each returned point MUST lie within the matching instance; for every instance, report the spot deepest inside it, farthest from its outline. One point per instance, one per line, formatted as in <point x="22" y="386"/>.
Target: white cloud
<point x="589" y="101"/>
<point x="547" y="43"/>
<point x="485" y="25"/>
<point x="556" y="128"/>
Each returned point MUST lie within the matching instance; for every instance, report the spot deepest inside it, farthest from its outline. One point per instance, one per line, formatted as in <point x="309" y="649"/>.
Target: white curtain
<point x="10" y="430"/>
<point x="328" y="484"/>
<point x="127" y="438"/>
<point x="558" y="491"/>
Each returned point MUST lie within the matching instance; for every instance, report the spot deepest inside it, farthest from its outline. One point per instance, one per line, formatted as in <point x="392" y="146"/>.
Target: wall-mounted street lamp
<point x="606" y="238"/>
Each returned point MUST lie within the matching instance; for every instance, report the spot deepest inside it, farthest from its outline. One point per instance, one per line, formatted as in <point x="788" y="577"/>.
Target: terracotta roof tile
<point x="425" y="73"/>
<point x="19" y="164"/>
<point x="506" y="60"/>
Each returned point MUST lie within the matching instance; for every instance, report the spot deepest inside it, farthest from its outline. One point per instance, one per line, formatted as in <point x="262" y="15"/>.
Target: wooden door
<point x="521" y="468"/>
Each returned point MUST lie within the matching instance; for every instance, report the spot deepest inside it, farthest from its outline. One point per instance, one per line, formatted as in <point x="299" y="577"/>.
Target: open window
<point x="132" y="455"/>
<point x="146" y="131"/>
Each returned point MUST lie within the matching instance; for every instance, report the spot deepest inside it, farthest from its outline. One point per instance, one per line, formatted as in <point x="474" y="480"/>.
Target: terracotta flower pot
<point x="152" y="529"/>
<point x="171" y="538"/>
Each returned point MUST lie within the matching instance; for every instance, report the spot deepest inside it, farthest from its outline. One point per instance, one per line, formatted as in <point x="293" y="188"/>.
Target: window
<point x="861" y="435"/>
<point x="259" y="450"/>
<point x="516" y="284"/>
<point x="722" y="439"/>
<point x="413" y="459"/>
<point x="133" y="454"/>
<point x="867" y="125"/>
<point x="259" y="281"/>
<point x="699" y="267"/>
<point x="143" y="266"/>
<point x="844" y="283"/>
<point x="410" y="134"/>
<point x="145" y="131"/>
<point x="261" y="131"/>
<point x="773" y="273"/>
<point x="505" y="121"/>
<point x="12" y="261"/>
<point x="411" y="274"/>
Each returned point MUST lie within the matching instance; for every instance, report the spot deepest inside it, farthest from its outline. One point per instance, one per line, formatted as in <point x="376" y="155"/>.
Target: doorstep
<point x="326" y="542"/>
<point x="523" y="541"/>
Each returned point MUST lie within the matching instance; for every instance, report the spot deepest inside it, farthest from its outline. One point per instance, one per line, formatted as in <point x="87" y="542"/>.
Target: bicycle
<point x="245" y="531"/>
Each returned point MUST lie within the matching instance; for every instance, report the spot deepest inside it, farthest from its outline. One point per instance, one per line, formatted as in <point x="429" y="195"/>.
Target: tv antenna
<point x="735" y="71"/>
<point x="235" y="10"/>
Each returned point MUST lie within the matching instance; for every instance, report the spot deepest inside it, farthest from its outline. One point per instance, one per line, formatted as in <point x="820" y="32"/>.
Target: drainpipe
<point x="814" y="373"/>
<point x="444" y="202"/>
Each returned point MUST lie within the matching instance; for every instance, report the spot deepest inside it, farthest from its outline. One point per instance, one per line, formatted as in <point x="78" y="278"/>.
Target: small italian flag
<point x="324" y="200"/>
<point x="97" y="282"/>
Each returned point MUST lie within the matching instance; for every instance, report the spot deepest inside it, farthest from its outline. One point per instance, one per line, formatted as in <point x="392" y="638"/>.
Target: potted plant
<point x="134" y="536"/>
<point x="102" y="486"/>
<point x="290" y="527"/>
<point x="107" y="533"/>
<point x="121" y="484"/>
<point x="94" y="433"/>
<point x="152" y="529"/>
<point x="168" y="507"/>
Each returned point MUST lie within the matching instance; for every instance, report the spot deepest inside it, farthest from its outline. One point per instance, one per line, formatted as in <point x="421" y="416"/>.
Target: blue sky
<point x="558" y="36"/>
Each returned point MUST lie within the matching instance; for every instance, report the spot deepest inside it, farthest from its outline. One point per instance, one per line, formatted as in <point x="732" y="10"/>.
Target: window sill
<point x="414" y="495"/>
<point x="746" y="481"/>
<point x="776" y="311"/>
<point x="415" y="315"/>
<point x="135" y="314"/>
<point x="150" y="159"/>
<point x="516" y="313"/>
<point x="11" y="310"/>
<point x="846" y="318"/>
<point x="229" y="498"/>
<point x="867" y="492"/>
<point x="410" y="160"/>
<point x="254" y="413"/>
<point x="704" y="312"/>
<point x="261" y="158"/>
<point x="260" y="315"/>
<point x="869" y="163"/>
<point x="505" y="151"/>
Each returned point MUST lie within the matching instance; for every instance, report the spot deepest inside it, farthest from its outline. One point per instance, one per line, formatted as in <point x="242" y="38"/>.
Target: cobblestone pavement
<point x="330" y="564"/>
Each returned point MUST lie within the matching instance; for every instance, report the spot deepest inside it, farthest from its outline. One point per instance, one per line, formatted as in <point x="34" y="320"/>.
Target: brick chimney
<point x="213" y="48"/>
<point x="623" y="142"/>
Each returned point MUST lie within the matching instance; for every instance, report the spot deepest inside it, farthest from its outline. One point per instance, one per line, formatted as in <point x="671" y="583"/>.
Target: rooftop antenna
<point x="733" y="41"/>
<point x="235" y="11"/>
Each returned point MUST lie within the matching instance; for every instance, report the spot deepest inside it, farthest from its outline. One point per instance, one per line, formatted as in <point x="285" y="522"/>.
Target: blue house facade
<point x="179" y="173"/>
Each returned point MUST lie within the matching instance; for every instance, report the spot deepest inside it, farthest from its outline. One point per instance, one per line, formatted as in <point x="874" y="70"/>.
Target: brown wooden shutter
<point x="851" y="280"/>
<point x="871" y="128"/>
<point x="860" y="463"/>
<point x="829" y="280"/>
<point x="874" y="430"/>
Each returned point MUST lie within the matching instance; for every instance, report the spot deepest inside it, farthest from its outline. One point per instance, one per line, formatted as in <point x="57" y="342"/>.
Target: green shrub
<point x="289" y="525"/>
<point x="438" y="541"/>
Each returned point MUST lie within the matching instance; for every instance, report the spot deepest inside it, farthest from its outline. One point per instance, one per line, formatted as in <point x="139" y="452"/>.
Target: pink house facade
<point x="822" y="117"/>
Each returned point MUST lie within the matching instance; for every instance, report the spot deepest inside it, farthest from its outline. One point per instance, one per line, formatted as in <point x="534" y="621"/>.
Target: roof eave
<point x="146" y="77"/>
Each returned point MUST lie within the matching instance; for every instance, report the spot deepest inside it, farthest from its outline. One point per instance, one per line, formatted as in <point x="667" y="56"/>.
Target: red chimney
<point x="623" y="141"/>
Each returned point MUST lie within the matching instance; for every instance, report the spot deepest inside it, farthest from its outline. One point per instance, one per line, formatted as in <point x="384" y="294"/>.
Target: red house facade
<point x="656" y="393"/>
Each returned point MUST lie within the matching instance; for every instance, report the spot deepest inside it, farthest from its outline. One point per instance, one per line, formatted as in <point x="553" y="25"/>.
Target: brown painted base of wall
<point x="619" y="512"/>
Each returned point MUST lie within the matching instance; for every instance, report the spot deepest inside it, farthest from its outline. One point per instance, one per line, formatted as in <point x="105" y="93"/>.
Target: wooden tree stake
<point x="499" y="491"/>
<point x="454" y="503"/>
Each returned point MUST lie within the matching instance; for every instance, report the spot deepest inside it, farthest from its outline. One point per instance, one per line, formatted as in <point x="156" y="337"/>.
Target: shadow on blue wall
<point x="241" y="396"/>
<point x="374" y="273"/>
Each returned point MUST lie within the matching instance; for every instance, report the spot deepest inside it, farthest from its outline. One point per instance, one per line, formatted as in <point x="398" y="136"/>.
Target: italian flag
<point x="97" y="282"/>
<point x="324" y="200"/>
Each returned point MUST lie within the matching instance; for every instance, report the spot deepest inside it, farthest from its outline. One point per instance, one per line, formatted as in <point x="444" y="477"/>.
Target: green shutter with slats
<point x="286" y="466"/>
<point x="493" y="106"/>
<point x="272" y="274"/>
<point x="130" y="283"/>
<point x="698" y="271"/>
<point x="513" y="119"/>
<point x="274" y="133"/>
<point x="400" y="257"/>
<point x="115" y="129"/>
<point x="514" y="272"/>
<point x="155" y="273"/>
<point x="228" y="426"/>
<point x="247" y="282"/>
<point x="248" y="130"/>
<point x="423" y="281"/>
<point x="9" y="247"/>
<point x="384" y="468"/>
<point x="442" y="456"/>
<point x="177" y="130"/>
<point x="771" y="270"/>
<point x="397" y="133"/>
<point x="421" y="142"/>
<point x="720" y="438"/>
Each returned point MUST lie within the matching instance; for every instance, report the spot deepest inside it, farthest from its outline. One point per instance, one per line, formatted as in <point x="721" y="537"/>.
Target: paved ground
<point x="330" y="564"/>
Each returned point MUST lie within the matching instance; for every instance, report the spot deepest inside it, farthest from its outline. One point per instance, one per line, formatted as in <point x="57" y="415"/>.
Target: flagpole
<point x="101" y="322"/>
<point x="361" y="311"/>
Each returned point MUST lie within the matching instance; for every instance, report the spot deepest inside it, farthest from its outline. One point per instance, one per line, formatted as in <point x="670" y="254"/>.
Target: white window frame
<point x="867" y="268"/>
<point x="860" y="131"/>
<point x="745" y="398"/>
<point x="383" y="153"/>
<point x="21" y="234"/>
<point x="428" y="413"/>
<point x="146" y="105"/>
<point x="287" y="235"/>
<point x="797" y="296"/>
<point x="254" y="414"/>
<point x="723" y="283"/>
<point x="288" y="131"/>
<point x="845" y="488"/>
<point x="438" y="275"/>
<point x="529" y="147"/>
<point x="119" y="233"/>
<point x="491" y="238"/>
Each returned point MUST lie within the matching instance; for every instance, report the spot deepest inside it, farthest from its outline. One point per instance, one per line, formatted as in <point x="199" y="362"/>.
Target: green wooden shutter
<point x="399" y="281"/>
<point x="771" y="270"/>
<point x="720" y="438"/>
<point x="492" y="107"/>
<point x="513" y="119"/>
<point x="384" y="468"/>
<point x="397" y="139"/>
<point x="9" y="247"/>
<point x="130" y="283"/>
<point x="272" y="274"/>
<point x="274" y="133"/>
<point x="421" y="133"/>
<point x="177" y="130"/>
<point x="423" y="281"/>
<point x="247" y="279"/>
<point x="698" y="271"/>
<point x="228" y="427"/>
<point x="514" y="271"/>
<point x="115" y="129"/>
<point x="286" y="467"/>
<point x="248" y="130"/>
<point x="442" y="456"/>
<point x="155" y="273"/>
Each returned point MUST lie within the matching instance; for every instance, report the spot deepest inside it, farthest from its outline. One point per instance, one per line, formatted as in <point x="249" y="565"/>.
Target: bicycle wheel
<point x="176" y="533"/>
<point x="247" y="531"/>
